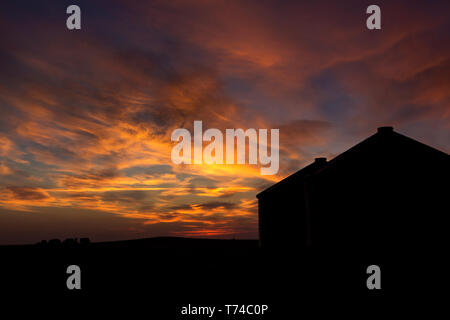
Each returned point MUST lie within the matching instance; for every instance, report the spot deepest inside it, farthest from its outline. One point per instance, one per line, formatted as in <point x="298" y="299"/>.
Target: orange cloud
<point x="91" y="131"/>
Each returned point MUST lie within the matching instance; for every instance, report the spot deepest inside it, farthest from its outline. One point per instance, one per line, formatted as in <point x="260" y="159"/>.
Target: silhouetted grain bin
<point x="282" y="209"/>
<point x="387" y="191"/>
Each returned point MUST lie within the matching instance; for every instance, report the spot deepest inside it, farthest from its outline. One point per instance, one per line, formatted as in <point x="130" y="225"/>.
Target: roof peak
<point x="320" y="160"/>
<point x="385" y="129"/>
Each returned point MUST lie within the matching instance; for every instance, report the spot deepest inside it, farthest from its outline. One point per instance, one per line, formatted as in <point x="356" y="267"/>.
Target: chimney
<point x="320" y="161"/>
<point x="384" y="130"/>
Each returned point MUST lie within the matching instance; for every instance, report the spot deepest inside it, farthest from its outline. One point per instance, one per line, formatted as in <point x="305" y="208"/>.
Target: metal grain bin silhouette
<point x="388" y="191"/>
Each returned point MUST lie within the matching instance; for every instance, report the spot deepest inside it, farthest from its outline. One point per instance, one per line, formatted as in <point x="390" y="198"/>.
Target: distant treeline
<point x="69" y="242"/>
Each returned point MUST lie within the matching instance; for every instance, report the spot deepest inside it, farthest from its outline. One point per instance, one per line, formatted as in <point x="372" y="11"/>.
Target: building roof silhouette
<point x="293" y="178"/>
<point x="386" y="190"/>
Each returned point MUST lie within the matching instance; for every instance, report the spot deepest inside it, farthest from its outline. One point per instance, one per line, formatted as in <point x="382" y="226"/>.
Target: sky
<point x="86" y="115"/>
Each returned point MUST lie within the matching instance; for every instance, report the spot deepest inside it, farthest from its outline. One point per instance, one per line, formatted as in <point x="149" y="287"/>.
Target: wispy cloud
<point x="86" y="117"/>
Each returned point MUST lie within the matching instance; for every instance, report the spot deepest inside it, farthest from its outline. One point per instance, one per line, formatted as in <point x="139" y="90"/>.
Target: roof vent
<point x="320" y="160"/>
<point x="385" y="129"/>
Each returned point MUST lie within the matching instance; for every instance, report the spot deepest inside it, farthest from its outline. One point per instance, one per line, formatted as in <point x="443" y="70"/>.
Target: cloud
<point x="4" y="170"/>
<point x="26" y="193"/>
<point x="86" y="117"/>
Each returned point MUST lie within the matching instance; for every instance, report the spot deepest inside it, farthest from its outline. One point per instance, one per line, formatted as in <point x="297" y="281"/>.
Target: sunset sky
<point x="86" y="116"/>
